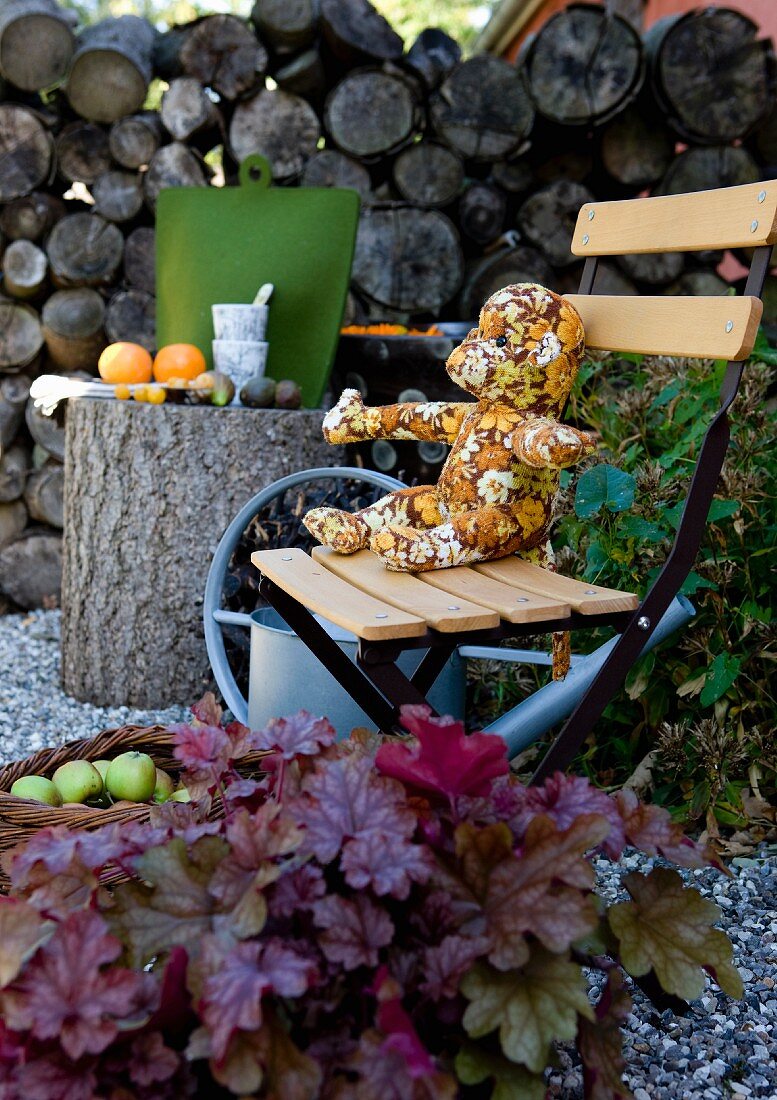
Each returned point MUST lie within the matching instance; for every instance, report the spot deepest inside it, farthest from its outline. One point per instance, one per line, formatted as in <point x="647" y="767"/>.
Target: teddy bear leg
<point x="347" y="532"/>
<point x="561" y="642"/>
<point x="468" y="537"/>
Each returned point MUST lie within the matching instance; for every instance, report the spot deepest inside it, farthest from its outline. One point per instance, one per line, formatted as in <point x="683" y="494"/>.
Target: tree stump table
<point x="149" y="491"/>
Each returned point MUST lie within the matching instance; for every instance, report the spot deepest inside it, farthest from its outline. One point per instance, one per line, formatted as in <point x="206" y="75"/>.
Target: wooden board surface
<point x="729" y="217"/>
<point x="516" y="605"/>
<point x="587" y="599"/>
<point x="406" y="591"/>
<point x="322" y="592"/>
<point x="704" y="327"/>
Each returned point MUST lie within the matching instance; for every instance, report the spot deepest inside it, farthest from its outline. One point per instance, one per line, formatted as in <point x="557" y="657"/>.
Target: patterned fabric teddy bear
<point x="496" y="491"/>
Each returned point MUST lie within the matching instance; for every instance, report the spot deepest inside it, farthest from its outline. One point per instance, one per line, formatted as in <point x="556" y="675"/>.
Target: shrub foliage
<point x="398" y="920"/>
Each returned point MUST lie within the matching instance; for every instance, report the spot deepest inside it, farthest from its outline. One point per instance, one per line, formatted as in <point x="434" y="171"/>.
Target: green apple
<point x="102" y="767"/>
<point x="77" y="781"/>
<point x="164" y="786"/>
<point x="131" y="776"/>
<point x="181" y="795"/>
<point x="37" y="788"/>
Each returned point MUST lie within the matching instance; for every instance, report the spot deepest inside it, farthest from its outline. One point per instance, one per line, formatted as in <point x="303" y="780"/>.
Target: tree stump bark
<point x="25" y="152"/>
<point x="428" y="174"/>
<point x="280" y="126"/>
<point x="84" y="250"/>
<point x="136" y="558"/>
<point x="118" y="195"/>
<point x="36" y="43"/>
<point x="285" y="24"/>
<point x="224" y="54"/>
<point x="433" y="55"/>
<point x="134" y="140"/>
<point x="548" y="218"/>
<point x="355" y="32"/>
<point x="172" y="166"/>
<point x="482" y="109"/>
<point x="482" y="210"/>
<point x="187" y="109"/>
<point x="328" y="168"/>
<point x="112" y="68"/>
<point x="83" y="152"/>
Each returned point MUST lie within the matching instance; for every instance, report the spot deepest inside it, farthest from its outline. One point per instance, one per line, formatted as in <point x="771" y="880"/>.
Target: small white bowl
<point x="239" y="322"/>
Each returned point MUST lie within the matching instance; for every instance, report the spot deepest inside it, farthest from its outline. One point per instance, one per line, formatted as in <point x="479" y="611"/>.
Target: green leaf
<point x="530" y="1007"/>
<point x="638" y="678"/>
<point x="511" y="1082"/>
<point x="720" y="676"/>
<point x="176" y="908"/>
<point x="693" y="582"/>
<point x="637" y="527"/>
<point x="667" y="394"/>
<point x="668" y="928"/>
<point x="604" y="486"/>
<point x="722" y="509"/>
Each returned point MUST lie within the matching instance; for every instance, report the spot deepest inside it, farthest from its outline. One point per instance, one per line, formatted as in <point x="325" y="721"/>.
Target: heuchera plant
<point x="367" y="921"/>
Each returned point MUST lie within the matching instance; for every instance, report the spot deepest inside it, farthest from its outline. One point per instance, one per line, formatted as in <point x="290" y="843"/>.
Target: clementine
<point x="125" y="363"/>
<point x="178" y="361"/>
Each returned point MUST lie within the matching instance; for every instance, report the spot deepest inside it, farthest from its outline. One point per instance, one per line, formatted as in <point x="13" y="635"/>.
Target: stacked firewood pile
<point x="471" y="173"/>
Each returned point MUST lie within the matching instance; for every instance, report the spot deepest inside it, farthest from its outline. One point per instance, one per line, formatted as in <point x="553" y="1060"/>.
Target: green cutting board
<point x="220" y="244"/>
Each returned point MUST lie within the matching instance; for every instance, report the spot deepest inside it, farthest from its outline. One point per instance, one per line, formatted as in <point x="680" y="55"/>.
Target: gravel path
<point x="34" y="711"/>
<point x="721" y="1049"/>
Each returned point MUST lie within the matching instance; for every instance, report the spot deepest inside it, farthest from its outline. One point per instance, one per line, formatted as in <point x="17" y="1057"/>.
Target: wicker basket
<point x="22" y="818"/>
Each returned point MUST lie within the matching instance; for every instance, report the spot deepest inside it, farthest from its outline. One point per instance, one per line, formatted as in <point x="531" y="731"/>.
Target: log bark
<point x="370" y="113"/>
<point x="584" y="66"/>
<point x="548" y="217"/>
<point x="711" y="73"/>
<point x="47" y="431"/>
<point x="31" y="217"/>
<point x="131" y="316"/>
<point x="516" y="177"/>
<point x="231" y="453"/>
<point x="24" y="269"/>
<point x="280" y="126"/>
<point x="285" y="24"/>
<point x="328" y="168"/>
<point x="31" y="569"/>
<point x="187" y="110"/>
<point x="482" y="210"/>
<point x="482" y="109"/>
<point x="84" y="250"/>
<point x="172" y="166"/>
<point x="223" y="54"/>
<point x="139" y="259"/>
<point x="355" y="32"/>
<point x="13" y="520"/>
<point x="515" y="264"/>
<point x="699" y="283"/>
<point x="433" y="55"/>
<point x="73" y="328"/>
<point x="633" y="11"/>
<point x="637" y="148"/>
<point x="15" y="464"/>
<point x="611" y="280"/>
<point x="112" y="68"/>
<point x="655" y="269"/>
<point x="428" y="174"/>
<point x="36" y="43"/>
<point x="83" y="152"/>
<point x="304" y="75"/>
<point x="44" y="494"/>
<point x="705" y="167"/>
<point x="14" y="390"/>
<point x="118" y="195"/>
<point x="134" y="140"/>
<point x="25" y="152"/>
<point x="20" y="335"/>
<point x="407" y="259"/>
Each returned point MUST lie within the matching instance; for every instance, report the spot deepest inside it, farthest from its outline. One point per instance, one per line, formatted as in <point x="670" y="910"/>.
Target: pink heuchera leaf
<point x="65" y="992"/>
<point x="445" y="760"/>
<point x="151" y="1061"/>
<point x="300" y="735"/>
<point x="238" y="978"/>
<point x="396" y="1025"/>
<point x="297" y="891"/>
<point x="353" y="930"/>
<point x="446" y="963"/>
<point x="207" y="711"/>
<point x="203" y="750"/>
<point x="51" y="1075"/>
<point x="386" y="862"/>
<point x="563" y="798"/>
<point x="651" y="829"/>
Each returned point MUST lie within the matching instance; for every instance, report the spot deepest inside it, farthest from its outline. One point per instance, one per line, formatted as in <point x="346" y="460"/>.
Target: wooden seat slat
<point x="321" y="591"/>
<point x="702" y="327"/>
<point x="729" y="217"/>
<point x="515" y="605"/>
<point x="587" y="599"/>
<point x="406" y="591"/>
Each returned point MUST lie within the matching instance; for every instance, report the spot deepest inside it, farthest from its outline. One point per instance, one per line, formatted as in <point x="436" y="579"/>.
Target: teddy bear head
<point x="525" y="351"/>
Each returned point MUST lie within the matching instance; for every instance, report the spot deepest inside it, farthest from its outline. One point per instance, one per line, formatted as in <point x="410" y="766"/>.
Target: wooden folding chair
<point x="442" y="610"/>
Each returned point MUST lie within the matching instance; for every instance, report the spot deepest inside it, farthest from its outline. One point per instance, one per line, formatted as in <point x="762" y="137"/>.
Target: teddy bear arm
<point x="429" y="421"/>
<point x="548" y="444"/>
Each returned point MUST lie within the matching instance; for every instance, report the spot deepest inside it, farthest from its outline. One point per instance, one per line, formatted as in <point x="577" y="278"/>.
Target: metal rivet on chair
<point x="453" y="607"/>
<point x="753" y="225"/>
<point x="286" y="557"/>
<point x="586" y="239"/>
<point x="761" y="196"/>
<point x="590" y="591"/>
<point x="523" y="599"/>
<point x="591" y="214"/>
<point x="643" y="622"/>
<point x="381" y="615"/>
<point x="729" y="326"/>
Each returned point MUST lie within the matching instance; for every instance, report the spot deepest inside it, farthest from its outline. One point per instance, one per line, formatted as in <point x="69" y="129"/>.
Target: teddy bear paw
<point x="403" y="549"/>
<point x="343" y="531"/>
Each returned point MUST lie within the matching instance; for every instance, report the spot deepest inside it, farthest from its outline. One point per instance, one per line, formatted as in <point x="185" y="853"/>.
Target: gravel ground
<point x="34" y="711"/>
<point x="721" y="1049"/>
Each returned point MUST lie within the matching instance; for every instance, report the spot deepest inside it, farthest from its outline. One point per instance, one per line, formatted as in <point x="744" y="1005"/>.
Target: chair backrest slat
<point x="702" y="327"/>
<point x="730" y="217"/>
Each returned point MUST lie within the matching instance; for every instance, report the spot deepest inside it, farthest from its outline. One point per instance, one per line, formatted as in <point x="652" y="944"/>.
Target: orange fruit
<point x="178" y="361"/>
<point x="125" y="363"/>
